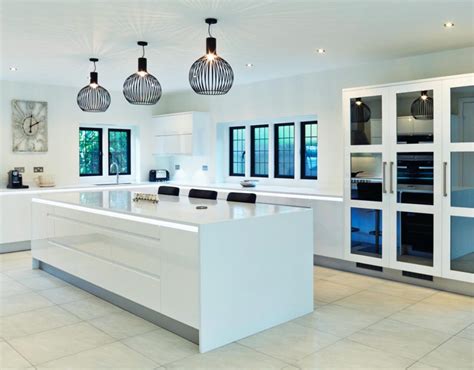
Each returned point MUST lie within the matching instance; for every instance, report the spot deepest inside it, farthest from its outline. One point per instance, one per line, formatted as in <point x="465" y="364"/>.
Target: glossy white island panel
<point x="223" y="273"/>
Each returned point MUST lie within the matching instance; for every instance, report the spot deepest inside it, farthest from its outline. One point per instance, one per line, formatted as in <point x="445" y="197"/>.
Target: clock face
<point x="30" y="126"/>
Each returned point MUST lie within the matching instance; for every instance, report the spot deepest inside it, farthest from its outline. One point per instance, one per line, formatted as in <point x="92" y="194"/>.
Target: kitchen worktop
<point x="34" y="189"/>
<point x="169" y="208"/>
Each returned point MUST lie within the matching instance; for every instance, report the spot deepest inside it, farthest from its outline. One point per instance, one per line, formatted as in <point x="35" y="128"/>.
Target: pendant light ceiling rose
<point x="93" y="97"/>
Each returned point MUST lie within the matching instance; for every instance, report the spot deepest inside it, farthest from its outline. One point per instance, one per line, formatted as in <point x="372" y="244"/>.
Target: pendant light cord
<point x="143" y="53"/>
<point x="94" y="66"/>
<point x="209" y="30"/>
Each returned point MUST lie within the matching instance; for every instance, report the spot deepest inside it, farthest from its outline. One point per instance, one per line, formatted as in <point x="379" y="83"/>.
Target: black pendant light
<point x="210" y="74"/>
<point x="422" y="107"/>
<point x="360" y="112"/>
<point x="93" y="97"/>
<point x="142" y="88"/>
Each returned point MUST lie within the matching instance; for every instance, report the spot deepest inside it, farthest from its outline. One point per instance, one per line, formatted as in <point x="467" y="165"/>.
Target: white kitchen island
<point x="212" y="275"/>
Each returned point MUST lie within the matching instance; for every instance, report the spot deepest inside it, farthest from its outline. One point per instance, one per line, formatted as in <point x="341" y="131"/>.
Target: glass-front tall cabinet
<point x="409" y="176"/>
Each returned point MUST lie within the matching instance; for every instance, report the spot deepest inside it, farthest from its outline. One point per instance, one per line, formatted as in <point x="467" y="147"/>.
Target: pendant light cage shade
<point x="142" y="90"/>
<point x="360" y="112"/>
<point x="93" y="97"/>
<point x="211" y="74"/>
<point x="211" y="77"/>
<point x="422" y="107"/>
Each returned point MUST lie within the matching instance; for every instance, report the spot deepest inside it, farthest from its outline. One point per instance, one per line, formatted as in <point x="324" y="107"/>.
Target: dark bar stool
<point x="203" y="194"/>
<point x="168" y="190"/>
<point x="242" y="197"/>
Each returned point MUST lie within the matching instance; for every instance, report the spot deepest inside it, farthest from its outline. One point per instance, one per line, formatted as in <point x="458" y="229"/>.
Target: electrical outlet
<point x="19" y="169"/>
<point x="205" y="167"/>
<point x="177" y="167"/>
<point x="38" y="169"/>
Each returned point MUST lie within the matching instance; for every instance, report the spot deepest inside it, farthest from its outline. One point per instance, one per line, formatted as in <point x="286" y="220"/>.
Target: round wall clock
<point x="30" y="126"/>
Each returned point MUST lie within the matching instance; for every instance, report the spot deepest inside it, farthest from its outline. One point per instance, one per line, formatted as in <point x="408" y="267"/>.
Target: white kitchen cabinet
<point x="402" y="216"/>
<point x="15" y="218"/>
<point x="185" y="133"/>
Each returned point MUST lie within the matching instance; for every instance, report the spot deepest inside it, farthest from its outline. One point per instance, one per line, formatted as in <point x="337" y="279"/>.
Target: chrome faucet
<point x="116" y="170"/>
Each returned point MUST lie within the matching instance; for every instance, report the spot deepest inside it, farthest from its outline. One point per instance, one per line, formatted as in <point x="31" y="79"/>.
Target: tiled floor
<point x="359" y="322"/>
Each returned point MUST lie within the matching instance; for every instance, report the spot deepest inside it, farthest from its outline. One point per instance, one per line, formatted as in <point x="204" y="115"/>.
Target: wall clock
<point x="30" y="126"/>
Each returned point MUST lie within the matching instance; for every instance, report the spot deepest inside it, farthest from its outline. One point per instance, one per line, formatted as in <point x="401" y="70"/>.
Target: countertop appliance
<point x="15" y="180"/>
<point x="159" y="175"/>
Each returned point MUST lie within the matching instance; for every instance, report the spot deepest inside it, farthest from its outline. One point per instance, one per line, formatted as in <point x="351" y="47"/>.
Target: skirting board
<point x="145" y="313"/>
<point x="15" y="247"/>
<point x="449" y="285"/>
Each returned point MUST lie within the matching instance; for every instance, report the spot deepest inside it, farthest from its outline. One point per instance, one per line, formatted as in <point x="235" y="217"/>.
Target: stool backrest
<point x="242" y="197"/>
<point x="168" y="190"/>
<point x="203" y="194"/>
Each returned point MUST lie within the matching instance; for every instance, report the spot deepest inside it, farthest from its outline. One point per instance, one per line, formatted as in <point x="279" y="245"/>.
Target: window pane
<point x="309" y="150"/>
<point x="90" y="152"/>
<point x="237" y="151"/>
<point x="119" y="151"/>
<point x="259" y="136"/>
<point x="284" y="150"/>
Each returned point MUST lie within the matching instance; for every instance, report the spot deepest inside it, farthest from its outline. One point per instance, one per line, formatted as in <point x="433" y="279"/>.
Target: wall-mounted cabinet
<point x="409" y="176"/>
<point x="185" y="133"/>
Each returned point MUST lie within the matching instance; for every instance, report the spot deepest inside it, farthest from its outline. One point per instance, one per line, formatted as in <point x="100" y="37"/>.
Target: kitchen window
<point x="285" y="150"/>
<point x="120" y="151"/>
<point x="90" y="152"/>
<point x="309" y="150"/>
<point x="237" y="151"/>
<point x="259" y="151"/>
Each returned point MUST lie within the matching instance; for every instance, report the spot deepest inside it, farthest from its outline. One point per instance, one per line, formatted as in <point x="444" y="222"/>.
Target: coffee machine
<point x="15" y="180"/>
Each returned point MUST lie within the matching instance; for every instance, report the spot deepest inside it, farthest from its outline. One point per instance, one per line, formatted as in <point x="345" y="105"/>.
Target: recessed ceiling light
<point x="13" y="69"/>
<point x="249" y="65"/>
<point x="449" y="25"/>
<point x="321" y="51"/>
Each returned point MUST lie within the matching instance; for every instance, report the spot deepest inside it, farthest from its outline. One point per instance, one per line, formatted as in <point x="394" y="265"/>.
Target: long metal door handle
<point x="445" y="172"/>
<point x="384" y="165"/>
<point x="391" y="177"/>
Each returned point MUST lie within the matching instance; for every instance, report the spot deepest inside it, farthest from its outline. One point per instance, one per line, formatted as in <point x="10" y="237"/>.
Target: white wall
<point x="316" y="93"/>
<point x="64" y="119"/>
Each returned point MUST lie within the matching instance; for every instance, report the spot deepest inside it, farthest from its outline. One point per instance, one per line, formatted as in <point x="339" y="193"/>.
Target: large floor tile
<point x="452" y="301"/>
<point x="162" y="346"/>
<point x="408" y="291"/>
<point x="43" y="282"/>
<point x="122" y="325"/>
<point x="9" y="287"/>
<point x="467" y="333"/>
<point x="354" y="280"/>
<point x="110" y="356"/>
<point x="436" y="317"/>
<point x="320" y="272"/>
<point x="376" y="303"/>
<point x="22" y="303"/>
<point x="399" y="338"/>
<point x="56" y="343"/>
<point x="26" y="273"/>
<point x="289" y="342"/>
<point x="338" y="320"/>
<point x="14" y="256"/>
<point x="90" y="308"/>
<point x="232" y="356"/>
<point x="11" y="359"/>
<point x="457" y="353"/>
<point x="35" y="321"/>
<point x="328" y="291"/>
<point x="346" y="354"/>
<point x="422" y="366"/>
<point x="15" y="264"/>
<point x="65" y="294"/>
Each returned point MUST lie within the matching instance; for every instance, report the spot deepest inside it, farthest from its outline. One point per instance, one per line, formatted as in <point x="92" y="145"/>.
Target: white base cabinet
<point x="409" y="189"/>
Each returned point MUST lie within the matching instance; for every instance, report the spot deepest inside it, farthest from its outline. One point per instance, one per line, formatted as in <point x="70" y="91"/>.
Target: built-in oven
<point x="415" y="178"/>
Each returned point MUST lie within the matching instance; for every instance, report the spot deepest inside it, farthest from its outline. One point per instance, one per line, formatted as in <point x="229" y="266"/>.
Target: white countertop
<point x="169" y="208"/>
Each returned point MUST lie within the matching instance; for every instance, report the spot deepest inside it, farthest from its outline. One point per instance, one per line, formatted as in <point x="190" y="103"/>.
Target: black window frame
<point x="231" y="150"/>
<point x="252" y="151"/>
<point x="303" y="149"/>
<point x="129" y="150"/>
<point x="101" y="162"/>
<point x="275" y="150"/>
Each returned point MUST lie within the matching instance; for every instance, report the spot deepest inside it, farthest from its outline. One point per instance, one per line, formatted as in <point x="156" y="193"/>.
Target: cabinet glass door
<point x="458" y="177"/>
<point x="414" y="179"/>
<point x="366" y="120"/>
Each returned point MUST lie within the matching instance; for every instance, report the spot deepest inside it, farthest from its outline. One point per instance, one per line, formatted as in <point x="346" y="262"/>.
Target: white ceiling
<point x="50" y="41"/>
